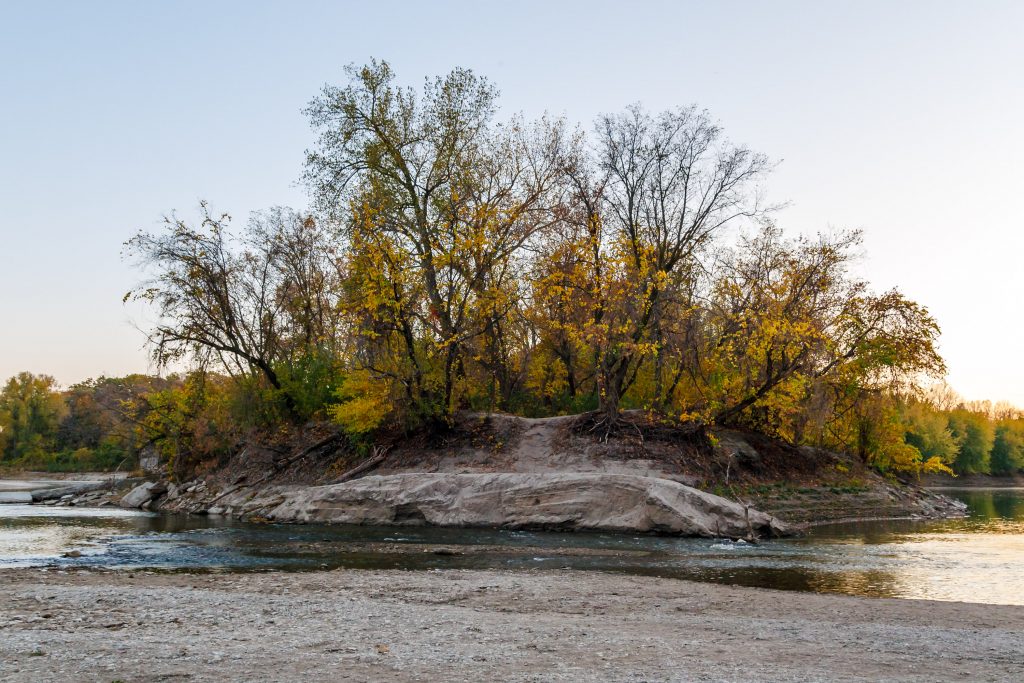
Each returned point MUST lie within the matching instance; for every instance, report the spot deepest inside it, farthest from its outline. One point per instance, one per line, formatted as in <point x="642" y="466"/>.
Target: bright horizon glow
<point x="901" y="119"/>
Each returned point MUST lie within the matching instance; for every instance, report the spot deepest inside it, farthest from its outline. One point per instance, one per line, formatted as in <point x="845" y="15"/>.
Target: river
<point x="977" y="559"/>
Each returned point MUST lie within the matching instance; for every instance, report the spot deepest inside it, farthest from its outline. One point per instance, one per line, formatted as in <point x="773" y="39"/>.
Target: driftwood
<point x="752" y="536"/>
<point x="283" y="464"/>
<point x="380" y="453"/>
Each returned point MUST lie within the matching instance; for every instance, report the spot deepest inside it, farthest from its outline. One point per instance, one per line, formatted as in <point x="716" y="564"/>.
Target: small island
<point x="510" y="397"/>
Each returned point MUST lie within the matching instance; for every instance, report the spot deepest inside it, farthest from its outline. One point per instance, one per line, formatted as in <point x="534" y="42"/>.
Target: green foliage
<point x="970" y="438"/>
<point x="1007" y="455"/>
<point x="193" y="420"/>
<point x="30" y="415"/>
<point x="312" y="380"/>
<point x="89" y="427"/>
<point x="105" y="458"/>
<point x="928" y="431"/>
<point x="975" y="434"/>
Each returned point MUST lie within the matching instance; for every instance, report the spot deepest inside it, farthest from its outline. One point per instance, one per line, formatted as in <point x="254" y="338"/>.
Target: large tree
<point x="789" y="326"/>
<point x="440" y="202"/>
<point x="657" y="192"/>
<point x="248" y="304"/>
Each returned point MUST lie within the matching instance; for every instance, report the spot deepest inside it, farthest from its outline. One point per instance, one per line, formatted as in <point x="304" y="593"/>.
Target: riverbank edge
<point x="941" y="482"/>
<point x="202" y="497"/>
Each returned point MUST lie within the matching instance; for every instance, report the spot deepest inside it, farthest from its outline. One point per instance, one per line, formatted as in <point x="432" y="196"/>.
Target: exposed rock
<point x="149" y="459"/>
<point x="15" y="497"/>
<point x="141" y="494"/>
<point x="571" y="501"/>
<point x="66" y="492"/>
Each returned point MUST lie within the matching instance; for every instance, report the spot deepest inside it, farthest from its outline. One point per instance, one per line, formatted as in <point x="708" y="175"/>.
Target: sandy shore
<point x="481" y="626"/>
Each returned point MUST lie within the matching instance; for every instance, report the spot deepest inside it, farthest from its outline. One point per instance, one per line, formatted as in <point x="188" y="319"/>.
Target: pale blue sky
<point x="901" y="118"/>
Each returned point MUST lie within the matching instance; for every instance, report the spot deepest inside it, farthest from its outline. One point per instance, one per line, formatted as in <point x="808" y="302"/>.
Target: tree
<point x="440" y="202"/>
<point x="942" y="397"/>
<point x="1004" y="410"/>
<point x="189" y="419"/>
<point x="789" y="325"/>
<point x="1007" y="455"/>
<point x="566" y="300"/>
<point x="248" y="305"/>
<point x="666" y="186"/>
<point x="975" y="435"/>
<point x="458" y="261"/>
<point x="103" y="415"/>
<point x="30" y="414"/>
<point x="928" y="431"/>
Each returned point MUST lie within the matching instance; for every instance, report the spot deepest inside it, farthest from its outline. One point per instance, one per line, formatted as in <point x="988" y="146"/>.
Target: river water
<point x="977" y="559"/>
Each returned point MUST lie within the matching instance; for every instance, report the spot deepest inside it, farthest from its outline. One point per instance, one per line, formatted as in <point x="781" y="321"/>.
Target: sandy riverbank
<point x="481" y="626"/>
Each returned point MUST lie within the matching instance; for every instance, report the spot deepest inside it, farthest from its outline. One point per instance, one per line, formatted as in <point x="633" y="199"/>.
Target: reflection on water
<point x="977" y="559"/>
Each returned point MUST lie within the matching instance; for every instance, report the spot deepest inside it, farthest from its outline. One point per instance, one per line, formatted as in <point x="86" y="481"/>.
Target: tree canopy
<point x="455" y="259"/>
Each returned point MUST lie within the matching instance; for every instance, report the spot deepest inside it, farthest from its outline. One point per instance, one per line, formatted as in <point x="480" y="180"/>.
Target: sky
<point x="903" y="119"/>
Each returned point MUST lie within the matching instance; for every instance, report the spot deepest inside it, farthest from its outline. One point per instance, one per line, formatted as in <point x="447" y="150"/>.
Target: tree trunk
<point x="615" y="379"/>
<point x="289" y="403"/>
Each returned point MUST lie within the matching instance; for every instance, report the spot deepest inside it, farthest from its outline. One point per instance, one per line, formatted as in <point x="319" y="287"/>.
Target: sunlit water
<point x="978" y="559"/>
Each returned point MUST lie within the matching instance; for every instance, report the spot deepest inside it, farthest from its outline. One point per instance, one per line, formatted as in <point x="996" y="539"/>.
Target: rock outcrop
<point x="569" y="501"/>
<point x="12" y="497"/>
<point x="58" y="492"/>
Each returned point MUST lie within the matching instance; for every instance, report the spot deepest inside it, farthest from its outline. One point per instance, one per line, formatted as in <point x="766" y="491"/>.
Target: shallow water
<point x="978" y="559"/>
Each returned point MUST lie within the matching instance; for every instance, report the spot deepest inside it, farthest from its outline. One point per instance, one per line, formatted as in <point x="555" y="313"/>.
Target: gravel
<point x="481" y="626"/>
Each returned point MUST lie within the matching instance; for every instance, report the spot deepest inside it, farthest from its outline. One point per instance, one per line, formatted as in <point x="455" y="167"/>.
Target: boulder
<point x="568" y="501"/>
<point x="141" y="494"/>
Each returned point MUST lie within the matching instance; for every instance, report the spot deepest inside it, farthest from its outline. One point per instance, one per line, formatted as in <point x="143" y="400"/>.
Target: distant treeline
<point x="973" y="437"/>
<point x="105" y="424"/>
<point x="92" y="426"/>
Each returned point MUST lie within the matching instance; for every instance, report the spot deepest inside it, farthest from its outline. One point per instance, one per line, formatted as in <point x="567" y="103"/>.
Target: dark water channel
<point x="978" y="559"/>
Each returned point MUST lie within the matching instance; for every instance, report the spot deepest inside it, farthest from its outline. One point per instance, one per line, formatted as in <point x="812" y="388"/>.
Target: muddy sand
<point x="481" y="626"/>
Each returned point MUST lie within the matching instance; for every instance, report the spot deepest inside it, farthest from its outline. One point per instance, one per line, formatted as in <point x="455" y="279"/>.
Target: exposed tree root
<point x="637" y="426"/>
<point x="604" y="426"/>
